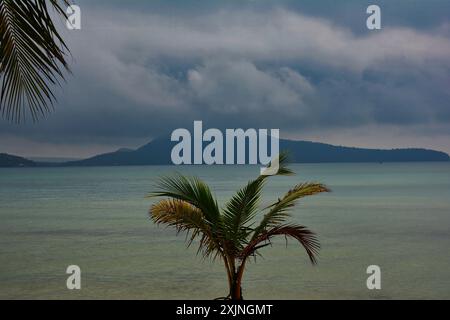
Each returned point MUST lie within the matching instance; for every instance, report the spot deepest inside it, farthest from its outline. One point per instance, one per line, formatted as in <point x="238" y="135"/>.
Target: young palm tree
<point x="232" y="234"/>
<point x="32" y="57"/>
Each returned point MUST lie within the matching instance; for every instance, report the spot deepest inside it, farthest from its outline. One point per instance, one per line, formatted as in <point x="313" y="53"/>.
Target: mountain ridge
<point x="158" y="151"/>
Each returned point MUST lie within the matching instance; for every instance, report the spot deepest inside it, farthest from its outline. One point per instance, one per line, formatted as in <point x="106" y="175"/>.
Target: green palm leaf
<point x="240" y="210"/>
<point x="193" y="191"/>
<point x="302" y="234"/>
<point x="243" y="206"/>
<point x="279" y="211"/>
<point x="185" y="217"/>
<point x="32" y="57"/>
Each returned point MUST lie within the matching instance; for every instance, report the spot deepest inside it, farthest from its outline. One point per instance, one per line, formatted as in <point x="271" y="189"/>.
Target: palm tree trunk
<point x="229" y="273"/>
<point x="236" y="286"/>
<point x="236" y="290"/>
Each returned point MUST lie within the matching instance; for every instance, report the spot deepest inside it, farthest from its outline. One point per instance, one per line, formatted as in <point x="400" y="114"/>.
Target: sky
<point x="312" y="69"/>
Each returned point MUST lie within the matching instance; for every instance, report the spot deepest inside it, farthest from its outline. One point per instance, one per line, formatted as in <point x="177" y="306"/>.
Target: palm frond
<point x="186" y="218"/>
<point x="243" y="206"/>
<point x="240" y="210"/>
<point x="32" y="57"/>
<point x="279" y="211"/>
<point x="302" y="234"/>
<point x="179" y="214"/>
<point x="193" y="191"/>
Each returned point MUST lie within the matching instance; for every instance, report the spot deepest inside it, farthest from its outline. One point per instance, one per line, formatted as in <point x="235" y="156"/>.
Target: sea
<point x="395" y="216"/>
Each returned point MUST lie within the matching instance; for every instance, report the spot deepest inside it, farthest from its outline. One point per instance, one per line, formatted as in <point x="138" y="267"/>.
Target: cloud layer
<point x="137" y="75"/>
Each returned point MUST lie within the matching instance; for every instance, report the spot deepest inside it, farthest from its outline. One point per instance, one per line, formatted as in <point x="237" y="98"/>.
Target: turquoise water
<point x="396" y="216"/>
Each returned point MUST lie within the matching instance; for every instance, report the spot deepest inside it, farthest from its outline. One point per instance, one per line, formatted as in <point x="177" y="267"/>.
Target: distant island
<point x="9" y="161"/>
<point x="158" y="152"/>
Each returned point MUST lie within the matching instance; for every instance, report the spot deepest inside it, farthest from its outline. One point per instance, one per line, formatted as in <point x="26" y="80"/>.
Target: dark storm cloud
<point x="296" y="66"/>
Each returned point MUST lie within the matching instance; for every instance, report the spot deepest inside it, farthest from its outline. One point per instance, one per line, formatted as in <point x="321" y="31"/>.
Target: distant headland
<point x="158" y="151"/>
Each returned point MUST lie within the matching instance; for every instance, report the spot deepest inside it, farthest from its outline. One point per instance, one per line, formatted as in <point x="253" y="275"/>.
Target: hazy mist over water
<point x="396" y="216"/>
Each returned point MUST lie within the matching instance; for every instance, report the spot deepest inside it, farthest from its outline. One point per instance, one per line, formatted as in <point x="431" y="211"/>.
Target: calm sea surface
<point x="396" y="216"/>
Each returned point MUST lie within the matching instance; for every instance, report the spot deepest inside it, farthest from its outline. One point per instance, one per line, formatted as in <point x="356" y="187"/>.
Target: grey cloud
<point x="252" y="90"/>
<point x="278" y="34"/>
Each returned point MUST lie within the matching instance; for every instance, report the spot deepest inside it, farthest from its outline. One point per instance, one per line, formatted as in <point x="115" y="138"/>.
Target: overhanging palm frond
<point x="302" y="234"/>
<point x="185" y="218"/>
<point x="32" y="57"/>
<point x="279" y="211"/>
